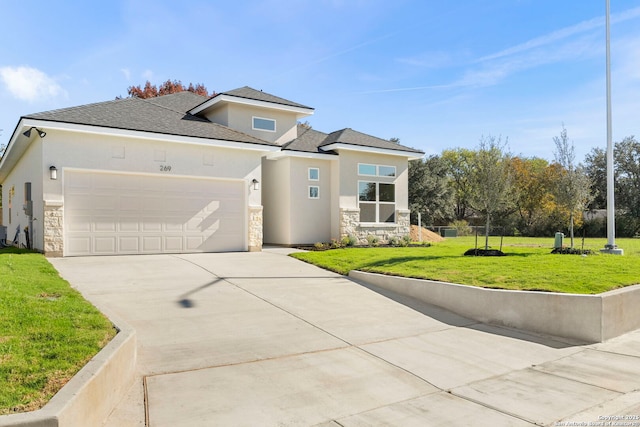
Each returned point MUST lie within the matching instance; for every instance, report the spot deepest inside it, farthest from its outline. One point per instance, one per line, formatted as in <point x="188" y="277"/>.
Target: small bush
<point x="319" y="246"/>
<point x="373" y="240"/>
<point x="335" y="244"/>
<point x="406" y="240"/>
<point x="462" y="227"/>
<point x="349" y="240"/>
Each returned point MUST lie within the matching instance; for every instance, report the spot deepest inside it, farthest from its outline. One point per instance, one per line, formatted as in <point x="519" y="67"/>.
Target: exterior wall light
<point x="53" y="172"/>
<point x="256" y="184"/>
<point x="41" y="133"/>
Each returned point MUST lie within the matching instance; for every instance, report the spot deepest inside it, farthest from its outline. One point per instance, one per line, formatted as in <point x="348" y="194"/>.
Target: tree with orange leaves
<point x="166" y="88"/>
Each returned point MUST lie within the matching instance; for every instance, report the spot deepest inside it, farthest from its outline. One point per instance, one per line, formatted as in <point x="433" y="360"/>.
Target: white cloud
<point x="126" y="72"/>
<point x="148" y="74"/>
<point x="30" y="84"/>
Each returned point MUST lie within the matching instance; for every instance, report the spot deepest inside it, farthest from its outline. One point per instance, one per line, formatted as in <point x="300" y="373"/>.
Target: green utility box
<point x="559" y="241"/>
<point x="449" y="232"/>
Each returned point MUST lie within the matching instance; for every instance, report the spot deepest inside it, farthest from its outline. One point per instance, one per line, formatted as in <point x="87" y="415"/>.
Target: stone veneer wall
<point x="53" y="229"/>
<point x="350" y="226"/>
<point x="255" y="228"/>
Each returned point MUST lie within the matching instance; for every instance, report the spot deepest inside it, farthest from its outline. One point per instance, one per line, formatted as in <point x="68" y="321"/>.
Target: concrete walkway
<point x="246" y="339"/>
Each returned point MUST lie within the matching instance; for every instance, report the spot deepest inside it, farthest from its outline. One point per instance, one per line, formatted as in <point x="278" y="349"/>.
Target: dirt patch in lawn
<point x="427" y="235"/>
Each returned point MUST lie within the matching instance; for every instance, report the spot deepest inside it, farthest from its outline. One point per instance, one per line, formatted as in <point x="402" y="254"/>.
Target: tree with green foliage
<point x="429" y="191"/>
<point x="491" y="181"/>
<point x="459" y="163"/>
<point x="573" y="187"/>
<point x="626" y="155"/>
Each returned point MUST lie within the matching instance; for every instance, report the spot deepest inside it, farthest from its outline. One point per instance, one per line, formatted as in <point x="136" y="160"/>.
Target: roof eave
<point x="277" y="155"/>
<point x="337" y="146"/>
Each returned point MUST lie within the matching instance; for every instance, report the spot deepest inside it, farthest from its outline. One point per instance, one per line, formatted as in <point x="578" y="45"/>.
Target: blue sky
<point x="437" y="75"/>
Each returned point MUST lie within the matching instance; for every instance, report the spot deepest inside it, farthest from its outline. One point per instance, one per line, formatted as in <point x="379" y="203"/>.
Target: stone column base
<point x="53" y="229"/>
<point x="255" y="228"/>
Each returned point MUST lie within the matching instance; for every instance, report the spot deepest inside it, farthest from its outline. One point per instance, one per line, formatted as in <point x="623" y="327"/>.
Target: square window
<point x="387" y="192"/>
<point x="260" y="123"/>
<point x="314" y="192"/>
<point x="387" y="212"/>
<point x="366" y="191"/>
<point x="314" y="174"/>
<point x="364" y="169"/>
<point x="367" y="212"/>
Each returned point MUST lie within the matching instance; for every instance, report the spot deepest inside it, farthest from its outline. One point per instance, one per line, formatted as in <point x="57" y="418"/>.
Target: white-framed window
<point x="314" y="192"/>
<point x="377" y="202"/>
<point x="261" y="123"/>
<point x="314" y="174"/>
<point x="365" y="169"/>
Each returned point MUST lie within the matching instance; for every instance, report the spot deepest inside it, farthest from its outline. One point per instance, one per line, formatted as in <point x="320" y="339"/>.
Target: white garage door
<point x="107" y="214"/>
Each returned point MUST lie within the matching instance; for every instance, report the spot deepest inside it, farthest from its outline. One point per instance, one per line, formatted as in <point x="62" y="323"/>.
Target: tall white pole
<point x="610" y="247"/>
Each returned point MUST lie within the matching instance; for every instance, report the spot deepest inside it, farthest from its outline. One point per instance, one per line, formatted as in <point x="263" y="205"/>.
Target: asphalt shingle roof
<point x="258" y="95"/>
<point x="164" y="115"/>
<point x="311" y="141"/>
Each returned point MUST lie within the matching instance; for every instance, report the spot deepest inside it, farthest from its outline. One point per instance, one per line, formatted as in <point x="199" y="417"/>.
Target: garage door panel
<point x="128" y="224"/>
<point x="174" y="243"/>
<point x="105" y="224"/>
<point x="79" y="245"/>
<point x="78" y="223"/>
<point x="151" y="225"/>
<point x="104" y="245"/>
<point x="130" y="244"/>
<point x="151" y="244"/>
<point x="119" y="213"/>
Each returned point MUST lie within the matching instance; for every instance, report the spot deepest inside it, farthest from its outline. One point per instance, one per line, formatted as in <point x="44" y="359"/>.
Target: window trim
<point x="377" y="202"/>
<point x="309" y="174"/>
<point x="309" y="192"/>
<point x="253" y="124"/>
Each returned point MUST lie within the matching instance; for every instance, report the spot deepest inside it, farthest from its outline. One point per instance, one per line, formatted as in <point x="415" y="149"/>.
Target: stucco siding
<point x="240" y="117"/>
<point x="310" y="218"/>
<point x="276" y="201"/>
<point x="30" y="169"/>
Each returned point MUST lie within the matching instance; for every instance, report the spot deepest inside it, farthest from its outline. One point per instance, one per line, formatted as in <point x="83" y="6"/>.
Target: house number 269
<point x="165" y="168"/>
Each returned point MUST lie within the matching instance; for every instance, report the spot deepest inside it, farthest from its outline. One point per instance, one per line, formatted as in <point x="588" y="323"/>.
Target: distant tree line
<point x="526" y="196"/>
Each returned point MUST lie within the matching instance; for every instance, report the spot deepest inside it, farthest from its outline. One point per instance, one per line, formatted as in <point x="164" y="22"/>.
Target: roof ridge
<point x="150" y="101"/>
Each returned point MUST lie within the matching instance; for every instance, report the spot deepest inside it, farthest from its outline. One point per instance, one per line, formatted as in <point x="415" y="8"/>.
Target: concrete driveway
<point x="246" y="339"/>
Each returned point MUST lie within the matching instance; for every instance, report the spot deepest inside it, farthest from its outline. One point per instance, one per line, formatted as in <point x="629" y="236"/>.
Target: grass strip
<point x="48" y="331"/>
<point x="529" y="264"/>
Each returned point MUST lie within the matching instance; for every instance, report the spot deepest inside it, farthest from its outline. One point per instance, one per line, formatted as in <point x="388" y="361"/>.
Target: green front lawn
<point x="48" y="331"/>
<point x="529" y="265"/>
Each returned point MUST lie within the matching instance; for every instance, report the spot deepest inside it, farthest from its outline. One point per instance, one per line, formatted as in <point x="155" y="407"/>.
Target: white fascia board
<point x="348" y="147"/>
<point x="301" y="112"/>
<point x="98" y="130"/>
<point x="300" y="154"/>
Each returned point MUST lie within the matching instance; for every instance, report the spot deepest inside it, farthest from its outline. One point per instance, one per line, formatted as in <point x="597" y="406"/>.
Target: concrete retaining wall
<point x="91" y="395"/>
<point x="587" y="318"/>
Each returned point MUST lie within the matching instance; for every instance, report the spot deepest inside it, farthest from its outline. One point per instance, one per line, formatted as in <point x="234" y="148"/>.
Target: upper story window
<point x="376" y="170"/>
<point x="314" y="174"/>
<point x="260" y="123"/>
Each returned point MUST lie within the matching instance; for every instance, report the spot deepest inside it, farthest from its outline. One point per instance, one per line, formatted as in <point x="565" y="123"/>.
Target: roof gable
<point x="249" y="96"/>
<point x="258" y="95"/>
<point x="312" y="141"/>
